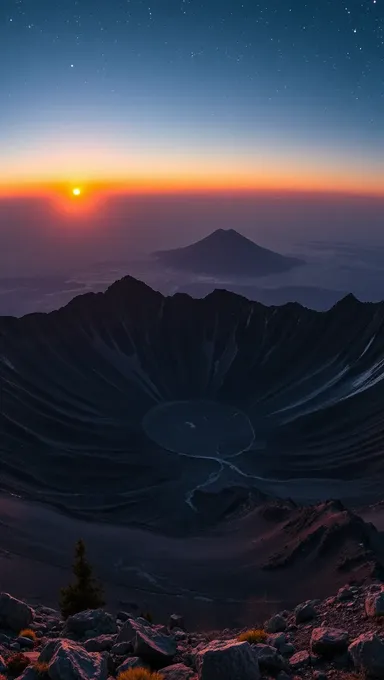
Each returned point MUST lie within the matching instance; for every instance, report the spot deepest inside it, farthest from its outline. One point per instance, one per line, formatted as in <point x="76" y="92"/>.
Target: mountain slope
<point x="227" y="253"/>
<point x="125" y="405"/>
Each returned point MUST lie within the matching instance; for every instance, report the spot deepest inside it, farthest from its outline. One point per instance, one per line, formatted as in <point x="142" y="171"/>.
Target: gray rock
<point x="276" y="624"/>
<point x="5" y="639"/>
<point x="177" y="671"/>
<point x="300" y="660"/>
<point x="367" y="653"/>
<point x="102" y="643"/>
<point x="25" y="643"/>
<point x="288" y="649"/>
<point x="122" y="648"/>
<point x="124" y="616"/>
<point x="269" y="658"/>
<point x="48" y="611"/>
<point x="90" y="623"/>
<point x="29" y="674"/>
<point x="131" y="662"/>
<point x="14" y="614"/>
<point x="228" y="660"/>
<point x="329" y="642"/>
<point x="176" y="621"/>
<point x="277" y="640"/>
<point x="49" y="649"/>
<point x="305" y="612"/>
<point x="179" y="635"/>
<point x="345" y="593"/>
<point x="127" y="633"/>
<point x="70" y="661"/>
<point x="374" y="604"/>
<point x="154" y="647"/>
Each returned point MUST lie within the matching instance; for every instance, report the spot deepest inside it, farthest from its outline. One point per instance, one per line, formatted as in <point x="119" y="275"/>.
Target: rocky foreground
<point x="334" y="638"/>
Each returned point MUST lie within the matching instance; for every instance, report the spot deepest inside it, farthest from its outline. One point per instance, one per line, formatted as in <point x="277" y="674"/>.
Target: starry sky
<point x="207" y="94"/>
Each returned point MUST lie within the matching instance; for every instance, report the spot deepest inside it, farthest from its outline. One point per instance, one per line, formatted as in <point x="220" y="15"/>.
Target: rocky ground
<point x="337" y="638"/>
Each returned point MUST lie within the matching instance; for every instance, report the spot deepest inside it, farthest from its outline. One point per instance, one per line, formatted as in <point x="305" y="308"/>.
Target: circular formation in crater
<point x="199" y="428"/>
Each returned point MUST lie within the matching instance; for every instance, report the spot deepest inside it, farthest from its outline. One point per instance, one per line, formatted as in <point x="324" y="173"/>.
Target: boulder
<point x="277" y="640"/>
<point x="329" y="642"/>
<point x="122" y="649"/>
<point x="124" y="616"/>
<point x="48" y="611"/>
<point x="374" y="604"/>
<point x="127" y="632"/>
<point x="70" y="661"/>
<point x="344" y="594"/>
<point x="305" y="612"/>
<point x="29" y="674"/>
<point x="102" y="643"/>
<point x="48" y="650"/>
<point x="90" y="623"/>
<point x="176" y="621"/>
<point x="288" y="649"/>
<point x="367" y="653"/>
<point x="131" y="662"/>
<point x="269" y="658"/>
<point x="300" y="660"/>
<point x="5" y="640"/>
<point x="154" y="647"/>
<point x="227" y="660"/>
<point x="25" y="643"/>
<point x="177" y="671"/>
<point x="276" y="624"/>
<point x="14" y="614"/>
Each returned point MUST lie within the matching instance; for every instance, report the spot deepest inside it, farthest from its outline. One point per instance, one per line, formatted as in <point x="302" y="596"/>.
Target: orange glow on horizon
<point x="83" y="197"/>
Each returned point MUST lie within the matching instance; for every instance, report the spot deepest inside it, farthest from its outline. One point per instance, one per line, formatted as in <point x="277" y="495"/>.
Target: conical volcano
<point x="227" y="253"/>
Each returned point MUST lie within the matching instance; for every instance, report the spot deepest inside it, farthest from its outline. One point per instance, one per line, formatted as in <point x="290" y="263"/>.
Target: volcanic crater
<point x="124" y="405"/>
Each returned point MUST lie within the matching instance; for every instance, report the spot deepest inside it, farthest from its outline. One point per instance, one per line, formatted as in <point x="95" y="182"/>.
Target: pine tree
<point x="86" y="592"/>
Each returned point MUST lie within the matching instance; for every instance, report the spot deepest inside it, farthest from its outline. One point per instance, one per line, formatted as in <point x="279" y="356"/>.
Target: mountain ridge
<point x="129" y="376"/>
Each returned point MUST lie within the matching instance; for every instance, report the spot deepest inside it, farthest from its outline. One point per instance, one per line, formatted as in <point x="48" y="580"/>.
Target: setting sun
<point x="76" y="191"/>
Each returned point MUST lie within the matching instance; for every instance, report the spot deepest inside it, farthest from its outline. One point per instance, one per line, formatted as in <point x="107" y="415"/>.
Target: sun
<point x="76" y="191"/>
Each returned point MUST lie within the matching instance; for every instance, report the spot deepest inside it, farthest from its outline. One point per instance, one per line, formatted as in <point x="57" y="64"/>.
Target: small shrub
<point x="139" y="674"/>
<point x="28" y="633"/>
<point x="86" y="592"/>
<point x="41" y="668"/>
<point x="254" y="636"/>
<point x="17" y="663"/>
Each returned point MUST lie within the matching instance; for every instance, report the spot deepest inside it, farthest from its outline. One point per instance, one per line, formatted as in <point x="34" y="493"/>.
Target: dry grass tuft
<point x="28" y="633"/>
<point x="254" y="636"/>
<point x="41" y="668"/>
<point x="139" y="674"/>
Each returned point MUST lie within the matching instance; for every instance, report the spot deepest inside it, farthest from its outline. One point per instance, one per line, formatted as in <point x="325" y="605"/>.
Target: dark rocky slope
<point x="320" y="639"/>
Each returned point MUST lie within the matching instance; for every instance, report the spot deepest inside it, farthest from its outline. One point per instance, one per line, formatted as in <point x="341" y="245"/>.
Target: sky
<point x="206" y="95"/>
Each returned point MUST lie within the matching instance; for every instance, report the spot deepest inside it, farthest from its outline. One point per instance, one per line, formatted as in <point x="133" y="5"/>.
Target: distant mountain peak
<point x="226" y="252"/>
